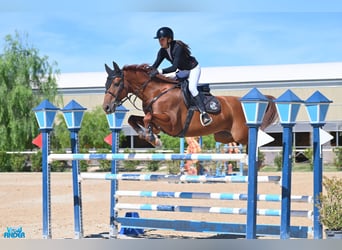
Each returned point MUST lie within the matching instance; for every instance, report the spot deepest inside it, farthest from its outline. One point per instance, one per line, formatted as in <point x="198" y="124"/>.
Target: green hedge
<point x="14" y="162"/>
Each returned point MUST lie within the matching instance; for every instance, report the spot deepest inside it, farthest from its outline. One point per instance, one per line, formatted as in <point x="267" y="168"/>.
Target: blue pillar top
<point x="317" y="107"/>
<point x="115" y="119"/>
<point x="288" y="105"/>
<point x="45" y="114"/>
<point x="73" y="114"/>
<point x="254" y="105"/>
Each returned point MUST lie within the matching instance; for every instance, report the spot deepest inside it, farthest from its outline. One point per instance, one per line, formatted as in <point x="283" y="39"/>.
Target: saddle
<point x="211" y="103"/>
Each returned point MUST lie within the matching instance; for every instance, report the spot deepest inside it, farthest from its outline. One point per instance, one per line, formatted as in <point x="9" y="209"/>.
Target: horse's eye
<point x="117" y="83"/>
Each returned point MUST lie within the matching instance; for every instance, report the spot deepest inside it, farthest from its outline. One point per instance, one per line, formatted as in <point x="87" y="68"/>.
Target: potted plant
<point x="330" y="207"/>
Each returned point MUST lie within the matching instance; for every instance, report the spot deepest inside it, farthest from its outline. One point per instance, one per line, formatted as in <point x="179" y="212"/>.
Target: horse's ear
<point x="116" y="67"/>
<point x="108" y="70"/>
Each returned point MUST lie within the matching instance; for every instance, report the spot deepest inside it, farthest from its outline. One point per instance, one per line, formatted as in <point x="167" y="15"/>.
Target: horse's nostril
<point x="106" y="108"/>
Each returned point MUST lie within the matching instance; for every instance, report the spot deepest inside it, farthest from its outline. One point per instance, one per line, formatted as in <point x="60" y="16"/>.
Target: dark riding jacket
<point x="180" y="60"/>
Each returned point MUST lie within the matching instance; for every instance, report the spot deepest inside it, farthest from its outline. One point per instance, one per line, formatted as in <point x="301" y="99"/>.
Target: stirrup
<point x="208" y="122"/>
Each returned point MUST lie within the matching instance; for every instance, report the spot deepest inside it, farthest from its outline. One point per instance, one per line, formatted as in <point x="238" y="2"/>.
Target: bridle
<point x="120" y="84"/>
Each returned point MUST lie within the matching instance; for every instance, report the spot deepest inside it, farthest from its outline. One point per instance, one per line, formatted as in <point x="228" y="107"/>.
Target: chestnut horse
<point x="165" y="110"/>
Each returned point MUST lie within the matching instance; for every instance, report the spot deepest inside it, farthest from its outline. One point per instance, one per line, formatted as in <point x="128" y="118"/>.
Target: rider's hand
<point x="153" y="73"/>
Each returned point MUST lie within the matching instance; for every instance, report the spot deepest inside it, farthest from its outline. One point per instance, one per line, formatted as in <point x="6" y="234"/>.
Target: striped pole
<point x="215" y="210"/>
<point x="150" y="157"/>
<point x="175" y="178"/>
<point x="214" y="196"/>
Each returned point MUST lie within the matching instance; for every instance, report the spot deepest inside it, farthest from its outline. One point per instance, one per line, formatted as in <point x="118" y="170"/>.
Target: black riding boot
<point x="204" y="117"/>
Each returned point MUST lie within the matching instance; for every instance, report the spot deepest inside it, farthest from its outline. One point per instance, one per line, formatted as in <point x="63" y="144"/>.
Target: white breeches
<point x="193" y="77"/>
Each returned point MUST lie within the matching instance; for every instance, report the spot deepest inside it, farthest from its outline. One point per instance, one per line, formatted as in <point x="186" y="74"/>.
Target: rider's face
<point x="164" y="42"/>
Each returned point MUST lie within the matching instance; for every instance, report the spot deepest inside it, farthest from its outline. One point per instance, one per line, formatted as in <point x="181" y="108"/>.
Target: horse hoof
<point x="141" y="135"/>
<point x="158" y="143"/>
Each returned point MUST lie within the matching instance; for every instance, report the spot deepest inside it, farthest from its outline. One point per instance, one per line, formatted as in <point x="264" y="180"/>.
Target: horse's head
<point x="114" y="89"/>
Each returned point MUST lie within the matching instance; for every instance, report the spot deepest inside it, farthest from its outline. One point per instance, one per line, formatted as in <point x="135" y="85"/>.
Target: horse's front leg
<point x="151" y="137"/>
<point x="137" y="123"/>
<point x="150" y="133"/>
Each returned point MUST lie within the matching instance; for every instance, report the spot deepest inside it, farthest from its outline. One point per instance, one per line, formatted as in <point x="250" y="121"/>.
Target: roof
<point x="286" y="72"/>
<point x="231" y="74"/>
<point x="82" y="80"/>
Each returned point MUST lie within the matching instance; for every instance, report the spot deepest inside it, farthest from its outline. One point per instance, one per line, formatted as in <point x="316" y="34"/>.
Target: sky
<point x="81" y="36"/>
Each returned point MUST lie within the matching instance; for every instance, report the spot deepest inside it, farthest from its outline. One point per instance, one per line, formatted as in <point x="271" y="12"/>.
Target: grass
<point x="302" y="167"/>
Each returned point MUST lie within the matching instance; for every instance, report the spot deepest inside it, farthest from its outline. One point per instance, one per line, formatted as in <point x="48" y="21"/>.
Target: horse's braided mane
<point x="147" y="69"/>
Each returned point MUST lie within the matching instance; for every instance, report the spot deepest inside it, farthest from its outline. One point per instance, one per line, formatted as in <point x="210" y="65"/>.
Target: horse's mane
<point x="136" y="67"/>
<point x="147" y="69"/>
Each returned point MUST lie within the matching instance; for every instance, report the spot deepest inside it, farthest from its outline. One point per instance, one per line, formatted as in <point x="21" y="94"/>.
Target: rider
<point x="178" y="53"/>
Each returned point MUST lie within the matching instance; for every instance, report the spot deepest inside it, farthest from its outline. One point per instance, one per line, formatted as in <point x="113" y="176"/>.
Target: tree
<point x="26" y="78"/>
<point x="94" y="129"/>
<point x="170" y="142"/>
<point x="60" y="135"/>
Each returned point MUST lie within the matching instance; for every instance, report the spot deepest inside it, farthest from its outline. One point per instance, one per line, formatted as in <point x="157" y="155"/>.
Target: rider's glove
<point x="154" y="72"/>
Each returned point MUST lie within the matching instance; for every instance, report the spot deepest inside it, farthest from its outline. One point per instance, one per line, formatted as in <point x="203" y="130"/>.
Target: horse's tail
<point x="271" y="114"/>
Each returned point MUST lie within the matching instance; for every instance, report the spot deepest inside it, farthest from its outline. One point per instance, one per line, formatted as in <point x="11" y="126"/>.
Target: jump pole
<point x="149" y="157"/>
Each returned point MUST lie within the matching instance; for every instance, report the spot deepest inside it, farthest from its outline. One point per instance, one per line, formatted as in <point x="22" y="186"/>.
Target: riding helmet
<point x="164" y="32"/>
